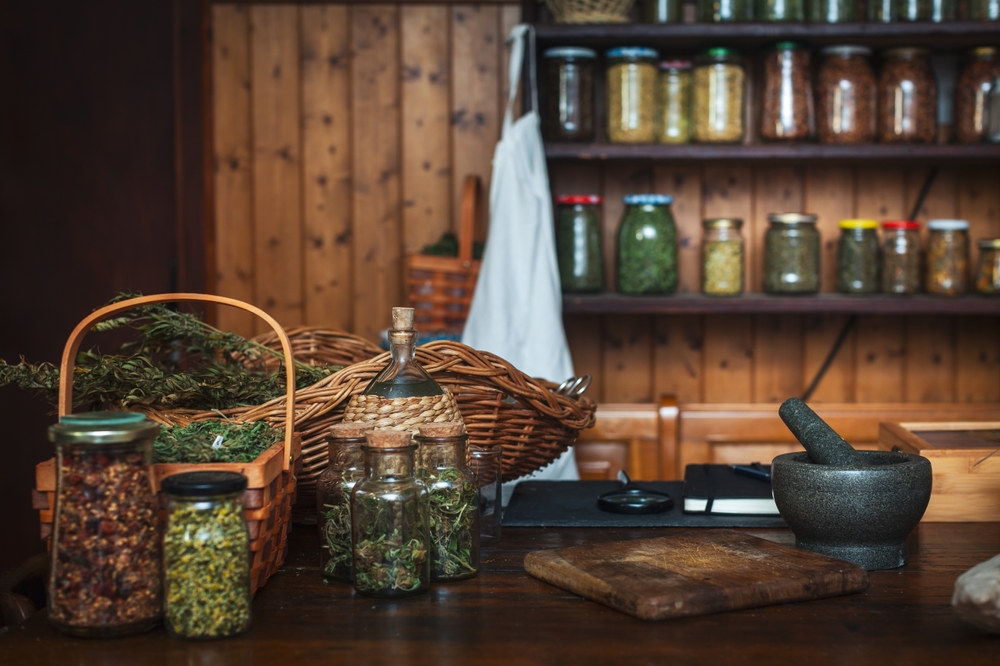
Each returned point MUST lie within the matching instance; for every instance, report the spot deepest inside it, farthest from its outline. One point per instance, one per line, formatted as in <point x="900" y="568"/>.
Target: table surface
<point x="503" y="615"/>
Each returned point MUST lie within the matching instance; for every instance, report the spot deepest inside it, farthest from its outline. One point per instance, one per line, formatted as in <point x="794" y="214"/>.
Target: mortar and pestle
<point x="854" y="505"/>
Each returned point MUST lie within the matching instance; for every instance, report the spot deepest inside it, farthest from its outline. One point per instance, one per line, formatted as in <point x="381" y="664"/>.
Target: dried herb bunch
<point x="390" y="545"/>
<point x="453" y="527"/>
<point x="200" y="442"/>
<point x="336" y="533"/>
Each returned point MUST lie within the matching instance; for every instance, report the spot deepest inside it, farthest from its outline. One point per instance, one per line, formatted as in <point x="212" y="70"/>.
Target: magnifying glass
<point x="634" y="500"/>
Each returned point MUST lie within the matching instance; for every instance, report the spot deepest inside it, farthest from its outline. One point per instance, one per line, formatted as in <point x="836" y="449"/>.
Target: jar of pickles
<point x="722" y="257"/>
<point x="972" y="92"/>
<point x="984" y="10"/>
<point x="787" y="113"/>
<point x="719" y="90"/>
<point x="791" y="254"/>
<point x="833" y="11"/>
<point x="569" y="99"/>
<point x="724" y="11"/>
<point x="775" y="11"/>
<point x="631" y="90"/>
<point x="947" y="257"/>
<point x="647" y="246"/>
<point x="845" y="95"/>
<point x="907" y="97"/>
<point x="674" y="102"/>
<point x="988" y="273"/>
<point x="900" y="257"/>
<point x="333" y="498"/>
<point x="578" y="242"/>
<point x="857" y="257"/>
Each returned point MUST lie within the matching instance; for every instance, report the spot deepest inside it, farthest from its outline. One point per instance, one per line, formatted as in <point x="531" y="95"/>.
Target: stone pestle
<point x="821" y="442"/>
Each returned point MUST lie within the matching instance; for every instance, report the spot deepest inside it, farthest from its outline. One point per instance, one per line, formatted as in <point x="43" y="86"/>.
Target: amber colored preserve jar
<point x="907" y="97"/>
<point x="845" y="95"/>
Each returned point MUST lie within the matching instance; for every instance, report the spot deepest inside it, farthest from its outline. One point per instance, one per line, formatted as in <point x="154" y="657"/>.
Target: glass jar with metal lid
<point x="881" y="11"/>
<point x="631" y="91"/>
<point x="900" y="257"/>
<point x="857" y="257"/>
<point x="833" y="11"/>
<point x="787" y="113"/>
<point x="984" y="10"/>
<point x="719" y="88"/>
<point x="662" y="11"/>
<point x="569" y="94"/>
<point x="936" y="11"/>
<point x="972" y="92"/>
<point x="724" y="11"/>
<point x="993" y="131"/>
<point x="105" y="576"/>
<point x="791" y="254"/>
<point x="907" y="97"/>
<point x="947" y="257"/>
<point x="674" y="102"/>
<point x="784" y="11"/>
<point x="647" y="246"/>
<point x="578" y="242"/>
<point x="206" y="556"/>
<point x="988" y="274"/>
<point x="722" y="257"/>
<point x="333" y="498"/>
<point x="845" y="95"/>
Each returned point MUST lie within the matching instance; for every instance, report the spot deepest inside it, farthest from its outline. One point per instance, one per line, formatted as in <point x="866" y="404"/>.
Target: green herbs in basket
<point x="214" y="442"/>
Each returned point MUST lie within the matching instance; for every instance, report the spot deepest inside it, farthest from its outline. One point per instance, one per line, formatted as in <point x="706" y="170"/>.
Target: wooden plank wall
<point x="342" y="134"/>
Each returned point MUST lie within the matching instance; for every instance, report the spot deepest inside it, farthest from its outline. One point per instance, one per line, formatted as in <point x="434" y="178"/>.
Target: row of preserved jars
<point x="822" y="11"/>
<point x="677" y="101"/>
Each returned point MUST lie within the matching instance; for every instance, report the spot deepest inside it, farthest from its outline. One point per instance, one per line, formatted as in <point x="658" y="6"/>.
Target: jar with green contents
<point x="206" y="556"/>
<point x="936" y="11"/>
<point x="647" y="246"/>
<point x="333" y="498"/>
<point x="631" y="91"/>
<point x="988" y="274"/>
<point x="791" y="254"/>
<point x="722" y="257"/>
<point x="833" y="11"/>
<point x="900" y="257"/>
<point x="719" y="88"/>
<point x="780" y="11"/>
<point x="984" y="10"/>
<point x="947" y="257"/>
<point x="724" y="11"/>
<point x="662" y="11"/>
<point x="882" y="11"/>
<point x="578" y="242"/>
<point x="674" y="102"/>
<point x="857" y="257"/>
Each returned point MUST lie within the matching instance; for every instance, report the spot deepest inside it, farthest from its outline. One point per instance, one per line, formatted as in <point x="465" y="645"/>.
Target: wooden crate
<point x="966" y="474"/>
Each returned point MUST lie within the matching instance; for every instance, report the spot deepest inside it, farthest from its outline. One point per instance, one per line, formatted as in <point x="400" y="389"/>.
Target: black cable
<point x="829" y="358"/>
<point x="923" y="193"/>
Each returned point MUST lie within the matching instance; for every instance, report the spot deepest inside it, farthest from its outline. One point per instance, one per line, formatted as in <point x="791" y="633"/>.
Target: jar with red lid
<point x="578" y="242"/>
<point x="900" y="257"/>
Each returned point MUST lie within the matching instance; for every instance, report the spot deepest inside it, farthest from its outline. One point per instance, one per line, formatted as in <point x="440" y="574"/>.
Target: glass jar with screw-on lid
<point x="833" y="11"/>
<point x="907" y="97"/>
<point x="662" y="11"/>
<point x="780" y="11"/>
<point x="578" y="242"/>
<point x="719" y="89"/>
<point x="993" y="131"/>
<point x="947" y="257"/>
<point x="791" y="254"/>
<point x="972" y="92"/>
<point x="674" y="102"/>
<point x="569" y="94"/>
<point x="881" y="11"/>
<point x="787" y="113"/>
<point x="936" y="11"/>
<point x="722" y="257"/>
<point x="900" y="257"/>
<point x="988" y="274"/>
<point x="647" y="246"/>
<point x="845" y="95"/>
<point x="857" y="257"/>
<point x="631" y="94"/>
<point x="724" y="11"/>
<point x="984" y="10"/>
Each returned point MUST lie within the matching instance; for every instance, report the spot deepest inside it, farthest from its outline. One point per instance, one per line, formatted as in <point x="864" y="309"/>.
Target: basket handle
<point x="470" y="210"/>
<point x="66" y="368"/>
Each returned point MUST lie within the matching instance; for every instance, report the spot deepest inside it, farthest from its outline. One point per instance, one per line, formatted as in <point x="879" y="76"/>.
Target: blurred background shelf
<point x="614" y="303"/>
<point x="774" y="151"/>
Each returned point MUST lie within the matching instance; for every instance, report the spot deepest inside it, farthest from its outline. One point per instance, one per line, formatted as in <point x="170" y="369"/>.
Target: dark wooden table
<point x="504" y="616"/>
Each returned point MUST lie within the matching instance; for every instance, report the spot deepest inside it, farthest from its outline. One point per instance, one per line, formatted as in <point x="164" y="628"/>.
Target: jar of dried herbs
<point x="333" y="498"/>
<point x="647" y="246"/>
<point x="787" y="113"/>
<point x="105" y="574"/>
<point x="722" y="257"/>
<point x="578" y="242"/>
<point x="936" y="11"/>
<point x="833" y="11"/>
<point x="972" y="92"/>
<point x="719" y="88"/>
<point x="988" y="274"/>
<point x="569" y="99"/>
<point x="661" y="11"/>
<point x="791" y="254"/>
<point x="389" y="520"/>
<point x="454" y="510"/>
<point x="881" y="11"/>
<point x="631" y="90"/>
<point x="724" y="11"/>
<point x="206" y="556"/>
<point x="907" y="97"/>
<point x="783" y="11"/>
<point x="900" y="257"/>
<point x="857" y="257"/>
<point x="947" y="257"/>
<point x="674" y="102"/>
<point x="845" y="95"/>
<point x="984" y="10"/>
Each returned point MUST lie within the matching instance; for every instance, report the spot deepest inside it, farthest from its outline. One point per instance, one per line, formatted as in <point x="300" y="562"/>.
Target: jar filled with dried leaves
<point x="900" y="257"/>
<point x="984" y="10"/>
<point x="907" y="97"/>
<point x="569" y="98"/>
<point x="783" y="11"/>
<point x="662" y="11"/>
<point x="787" y="113"/>
<point x="105" y="578"/>
<point x="936" y="11"/>
<point x="857" y="257"/>
<point x="722" y="257"/>
<point x="791" y="254"/>
<point x="988" y="274"/>
<point x="724" y="11"/>
<point x="631" y="90"/>
<point x="833" y="11"/>
<point x="845" y="95"/>
<point x="674" y="102"/>
<point x="333" y="498"/>
<point x="719" y="90"/>
<point x="947" y="257"/>
<point x="578" y="242"/>
<point x="881" y="11"/>
<point x="972" y="93"/>
<point x="647" y="246"/>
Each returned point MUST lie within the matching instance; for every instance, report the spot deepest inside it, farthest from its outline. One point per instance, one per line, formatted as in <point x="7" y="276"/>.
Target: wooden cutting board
<point x="694" y="572"/>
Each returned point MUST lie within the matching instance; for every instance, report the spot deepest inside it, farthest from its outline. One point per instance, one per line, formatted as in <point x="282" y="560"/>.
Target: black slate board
<point x="574" y="504"/>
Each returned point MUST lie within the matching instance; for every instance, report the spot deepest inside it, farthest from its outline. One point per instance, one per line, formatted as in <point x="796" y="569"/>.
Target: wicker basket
<point x="270" y="478"/>
<point x="590" y="11"/>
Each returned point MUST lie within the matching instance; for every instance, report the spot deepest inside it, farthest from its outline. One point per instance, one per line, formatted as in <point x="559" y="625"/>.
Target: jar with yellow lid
<point x="722" y="257"/>
<point x="857" y="257"/>
<point x="988" y="275"/>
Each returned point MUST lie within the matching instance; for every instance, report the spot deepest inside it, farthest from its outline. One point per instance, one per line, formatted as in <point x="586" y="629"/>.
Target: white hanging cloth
<point x="516" y="311"/>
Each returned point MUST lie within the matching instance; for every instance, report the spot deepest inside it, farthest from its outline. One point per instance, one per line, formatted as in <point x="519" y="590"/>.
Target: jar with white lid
<point x="947" y="257"/>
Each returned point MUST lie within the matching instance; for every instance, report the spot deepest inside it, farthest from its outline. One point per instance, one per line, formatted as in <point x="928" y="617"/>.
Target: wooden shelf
<point x="774" y="151"/>
<point x="614" y="303"/>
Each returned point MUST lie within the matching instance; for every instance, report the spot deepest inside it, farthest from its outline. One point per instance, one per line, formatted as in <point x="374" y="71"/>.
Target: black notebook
<point x="719" y="489"/>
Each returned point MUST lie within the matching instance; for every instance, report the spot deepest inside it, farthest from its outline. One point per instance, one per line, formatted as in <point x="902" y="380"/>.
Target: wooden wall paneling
<point x="475" y="57"/>
<point x="584" y="336"/>
<point x="775" y="190"/>
<point x="617" y="181"/>
<point x="677" y="357"/>
<point x="510" y="16"/>
<point x="277" y="189"/>
<point x="727" y="192"/>
<point x="326" y="165"/>
<point x="829" y="193"/>
<point x="232" y="163"/>
<point x="684" y="185"/>
<point x="375" y="113"/>
<point x="820" y="332"/>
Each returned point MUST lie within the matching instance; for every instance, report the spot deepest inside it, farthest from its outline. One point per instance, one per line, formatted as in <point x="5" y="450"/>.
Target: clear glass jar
<point x="719" y="90"/>
<point x="984" y="10"/>
<point x="791" y="254"/>
<point x="972" y="93"/>
<point x="578" y="243"/>
<point x="993" y="116"/>
<point x="787" y="113"/>
<point x="454" y="506"/>
<point x="389" y="520"/>
<point x="569" y="94"/>
<point x="674" y="93"/>
<point x="988" y="274"/>
<point x="402" y="377"/>
<point x="105" y="574"/>
<point x="845" y="96"/>
<point x="662" y="11"/>
<point x="647" y="246"/>
<point x="333" y="498"/>
<point x="724" y="11"/>
<point x="206" y="556"/>
<point x="780" y="11"/>
<point x="907" y="97"/>
<point x="900" y="257"/>
<point x="486" y="463"/>
<point x="947" y="257"/>
<point x="631" y="89"/>
<point x="833" y="11"/>
<point x="936" y="11"/>
<point x="722" y="257"/>
<point x="881" y="11"/>
<point x="857" y="257"/>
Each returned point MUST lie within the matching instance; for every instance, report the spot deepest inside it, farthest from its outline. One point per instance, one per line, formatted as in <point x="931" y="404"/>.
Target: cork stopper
<point x="402" y="319"/>
<point x="350" y="430"/>
<point x="388" y="439"/>
<point x="437" y="430"/>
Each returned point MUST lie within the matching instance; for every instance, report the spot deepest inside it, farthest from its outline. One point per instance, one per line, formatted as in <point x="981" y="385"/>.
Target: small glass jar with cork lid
<point x="722" y="257"/>
<point x="333" y="498"/>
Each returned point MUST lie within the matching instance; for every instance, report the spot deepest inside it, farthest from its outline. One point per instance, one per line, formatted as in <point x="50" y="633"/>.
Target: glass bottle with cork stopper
<point x="402" y="377"/>
<point x="333" y="498"/>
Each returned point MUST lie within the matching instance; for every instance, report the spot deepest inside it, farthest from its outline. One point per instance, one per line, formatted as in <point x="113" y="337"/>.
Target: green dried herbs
<point x="857" y="257"/>
<point x="200" y="443"/>
<point x="390" y="543"/>
<point x="336" y="552"/>
<point x="647" y="246"/>
<point x="791" y="254"/>
<point x="454" y="529"/>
